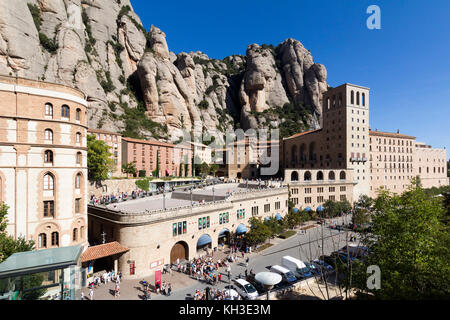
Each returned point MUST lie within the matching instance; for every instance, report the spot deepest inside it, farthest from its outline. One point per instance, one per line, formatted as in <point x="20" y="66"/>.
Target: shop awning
<point x="204" y="239"/>
<point x="320" y="208"/>
<point x="267" y="218"/>
<point x="223" y="232"/>
<point x="241" y="229"/>
<point x="308" y="209"/>
<point x="103" y="250"/>
<point x="278" y="216"/>
<point x="295" y="210"/>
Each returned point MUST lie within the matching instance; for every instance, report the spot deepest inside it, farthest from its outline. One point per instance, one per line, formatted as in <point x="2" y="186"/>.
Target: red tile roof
<point x="390" y="134"/>
<point x="102" y="250"/>
<point x="153" y="142"/>
<point x="302" y="134"/>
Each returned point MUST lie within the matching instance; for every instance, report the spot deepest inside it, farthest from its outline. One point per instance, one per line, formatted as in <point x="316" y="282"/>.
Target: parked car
<point x="246" y="289"/>
<point x="322" y="264"/>
<point x="314" y="270"/>
<point x="297" y="267"/>
<point x="232" y="293"/>
<point x="285" y="273"/>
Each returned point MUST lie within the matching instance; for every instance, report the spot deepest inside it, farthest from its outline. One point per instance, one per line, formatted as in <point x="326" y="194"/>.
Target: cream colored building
<point x="114" y="141"/>
<point x="430" y="164"/>
<point x="341" y="143"/>
<point x="202" y="151"/>
<point x="157" y="237"/>
<point x="43" y="161"/>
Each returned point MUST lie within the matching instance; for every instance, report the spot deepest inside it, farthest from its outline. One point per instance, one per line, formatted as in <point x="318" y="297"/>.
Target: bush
<point x="142" y="173"/>
<point x="287" y="234"/>
<point x="203" y="104"/>
<point x="36" y="14"/>
<point x="48" y="44"/>
<point x="143" y="184"/>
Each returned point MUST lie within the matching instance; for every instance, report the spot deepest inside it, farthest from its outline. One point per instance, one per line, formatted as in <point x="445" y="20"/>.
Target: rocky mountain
<point x="137" y="86"/>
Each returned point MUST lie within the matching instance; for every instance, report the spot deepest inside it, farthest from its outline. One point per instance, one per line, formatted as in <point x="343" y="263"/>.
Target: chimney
<point x="398" y="130"/>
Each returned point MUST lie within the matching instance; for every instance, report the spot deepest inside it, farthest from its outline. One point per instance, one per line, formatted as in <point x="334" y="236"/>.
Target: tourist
<point x="82" y="295"/>
<point x="169" y="289"/>
<point x="91" y="294"/>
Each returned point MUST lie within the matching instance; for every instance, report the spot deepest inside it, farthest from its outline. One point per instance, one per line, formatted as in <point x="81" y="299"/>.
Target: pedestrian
<point x="82" y="295"/>
<point x="91" y="294"/>
<point x="220" y="277"/>
<point x="169" y="290"/>
<point x="246" y="262"/>
<point x="246" y="273"/>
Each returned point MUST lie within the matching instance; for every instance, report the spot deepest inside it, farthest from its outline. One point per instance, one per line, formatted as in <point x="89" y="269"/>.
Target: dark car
<point x="313" y="269"/>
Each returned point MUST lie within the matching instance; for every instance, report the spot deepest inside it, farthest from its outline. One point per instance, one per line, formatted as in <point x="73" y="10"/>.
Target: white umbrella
<point x="268" y="278"/>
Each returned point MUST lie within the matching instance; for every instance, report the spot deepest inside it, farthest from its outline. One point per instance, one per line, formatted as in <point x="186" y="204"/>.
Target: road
<point x="304" y="246"/>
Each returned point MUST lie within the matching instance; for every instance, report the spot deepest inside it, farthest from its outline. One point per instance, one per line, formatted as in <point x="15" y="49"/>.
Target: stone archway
<point x="224" y="237"/>
<point x="180" y="250"/>
<point x="204" y="242"/>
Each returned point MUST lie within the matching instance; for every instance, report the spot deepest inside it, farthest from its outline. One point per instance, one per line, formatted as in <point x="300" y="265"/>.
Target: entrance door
<point x="179" y="251"/>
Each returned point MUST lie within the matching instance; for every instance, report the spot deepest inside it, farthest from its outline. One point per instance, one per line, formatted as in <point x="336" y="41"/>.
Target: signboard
<point x="158" y="278"/>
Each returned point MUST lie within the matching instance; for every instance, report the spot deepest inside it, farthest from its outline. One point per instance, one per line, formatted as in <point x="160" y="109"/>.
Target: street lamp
<point x="191" y="197"/>
<point x="164" y="199"/>
<point x="214" y="196"/>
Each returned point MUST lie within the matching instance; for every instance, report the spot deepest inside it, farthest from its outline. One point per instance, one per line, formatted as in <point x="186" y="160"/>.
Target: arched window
<point x="342" y="175"/>
<point x="48" y="182"/>
<point x="48" y="156"/>
<point x="331" y="175"/>
<point x="302" y="152"/>
<point x="75" y="234"/>
<point x="312" y="156"/>
<point x="78" y="181"/>
<point x="363" y="99"/>
<point x="334" y="101"/>
<point x="65" y="111"/>
<point x="352" y="97"/>
<point x="82" y="232"/>
<point x="294" y="154"/>
<point x="319" y="175"/>
<point x="78" y="157"/>
<point x="78" y="115"/>
<point x="42" y="240"/>
<point x="55" y="239"/>
<point x="307" y="176"/>
<point x="357" y="98"/>
<point x="328" y="103"/>
<point x="294" y="176"/>
<point x="78" y="137"/>
<point x="49" y="109"/>
<point x="48" y="135"/>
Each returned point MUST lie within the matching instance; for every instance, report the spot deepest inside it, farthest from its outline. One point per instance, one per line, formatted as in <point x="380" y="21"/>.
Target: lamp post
<point x="191" y="197"/>
<point x="214" y="196"/>
<point x="164" y="199"/>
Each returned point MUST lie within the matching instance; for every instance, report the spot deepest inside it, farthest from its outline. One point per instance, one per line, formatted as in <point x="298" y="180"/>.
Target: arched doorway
<point x="224" y="237"/>
<point x="204" y="242"/>
<point x="179" y="251"/>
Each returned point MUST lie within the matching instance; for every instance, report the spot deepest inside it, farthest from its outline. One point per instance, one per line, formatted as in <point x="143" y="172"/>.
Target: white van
<point x="296" y="266"/>
<point x="245" y="289"/>
<point x="287" y="275"/>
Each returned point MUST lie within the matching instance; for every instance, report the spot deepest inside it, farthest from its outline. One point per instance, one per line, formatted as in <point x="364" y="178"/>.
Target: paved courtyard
<point x="305" y="245"/>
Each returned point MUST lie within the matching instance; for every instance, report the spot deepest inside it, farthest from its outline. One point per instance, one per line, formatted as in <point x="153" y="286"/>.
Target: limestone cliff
<point x="136" y="85"/>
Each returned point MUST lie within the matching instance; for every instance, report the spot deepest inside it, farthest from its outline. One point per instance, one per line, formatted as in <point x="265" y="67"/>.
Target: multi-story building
<point x="43" y="161"/>
<point x="114" y="141"/>
<point x="430" y="164"/>
<point x="157" y="236"/>
<point x="200" y="150"/>
<point x="391" y="161"/>
<point x="146" y="154"/>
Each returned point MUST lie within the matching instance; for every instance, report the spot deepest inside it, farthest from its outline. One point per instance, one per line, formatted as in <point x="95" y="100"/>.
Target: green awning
<point x="36" y="261"/>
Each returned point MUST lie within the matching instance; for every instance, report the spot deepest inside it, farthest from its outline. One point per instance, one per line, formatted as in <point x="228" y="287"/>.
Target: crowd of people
<point x="105" y="278"/>
<point x="216" y="294"/>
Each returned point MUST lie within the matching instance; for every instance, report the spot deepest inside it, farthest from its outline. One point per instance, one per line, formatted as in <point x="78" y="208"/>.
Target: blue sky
<point x="406" y="63"/>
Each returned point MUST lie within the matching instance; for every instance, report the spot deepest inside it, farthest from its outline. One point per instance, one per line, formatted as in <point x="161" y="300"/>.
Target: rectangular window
<point x="331" y="189"/>
<point x="174" y="229"/>
<point x="49" y="208"/>
<point x="204" y="222"/>
<point x="207" y="222"/>
<point x="343" y="197"/>
<point x="77" y="205"/>
<point x="200" y="224"/>
<point x="220" y="218"/>
<point x="180" y="228"/>
<point x="277" y="205"/>
<point x="184" y="227"/>
<point x="266" y="207"/>
<point x="343" y="188"/>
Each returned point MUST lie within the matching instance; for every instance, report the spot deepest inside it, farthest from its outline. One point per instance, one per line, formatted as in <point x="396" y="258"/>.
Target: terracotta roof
<point x="153" y="142"/>
<point x="302" y="134"/>
<point x="103" y="131"/>
<point x="102" y="250"/>
<point x="390" y="134"/>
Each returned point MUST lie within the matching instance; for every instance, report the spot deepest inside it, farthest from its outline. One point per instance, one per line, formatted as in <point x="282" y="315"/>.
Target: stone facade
<point x="430" y="164"/>
<point x="43" y="161"/>
<point x="151" y="236"/>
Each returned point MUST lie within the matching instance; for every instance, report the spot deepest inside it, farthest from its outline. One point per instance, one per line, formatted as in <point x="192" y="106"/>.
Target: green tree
<point x="213" y="168"/>
<point x="361" y="214"/>
<point x="410" y="244"/>
<point x="129" y="168"/>
<point x="156" y="171"/>
<point x="258" y="233"/>
<point x="143" y="184"/>
<point x="204" y="169"/>
<point x="100" y="161"/>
